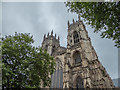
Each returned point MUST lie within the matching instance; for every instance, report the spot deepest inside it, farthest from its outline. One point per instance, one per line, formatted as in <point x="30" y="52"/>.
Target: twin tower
<point x="77" y="66"/>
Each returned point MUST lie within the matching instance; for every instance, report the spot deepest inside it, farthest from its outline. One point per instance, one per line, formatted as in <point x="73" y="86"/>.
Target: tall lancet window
<point x="79" y="83"/>
<point x="57" y="76"/>
<point x="76" y="37"/>
<point x="76" y="57"/>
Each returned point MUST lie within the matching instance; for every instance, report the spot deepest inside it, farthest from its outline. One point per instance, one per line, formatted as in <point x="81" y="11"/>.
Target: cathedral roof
<point x="59" y="51"/>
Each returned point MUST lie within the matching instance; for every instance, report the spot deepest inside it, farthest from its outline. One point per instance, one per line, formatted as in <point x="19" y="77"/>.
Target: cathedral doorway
<point x="79" y="83"/>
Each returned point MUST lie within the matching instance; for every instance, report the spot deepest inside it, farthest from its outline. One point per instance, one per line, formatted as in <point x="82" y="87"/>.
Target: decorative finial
<point x="52" y="32"/>
<point x="48" y="34"/>
<point x="79" y="17"/>
<point x="73" y="21"/>
<point x="68" y="23"/>
<point x="55" y="35"/>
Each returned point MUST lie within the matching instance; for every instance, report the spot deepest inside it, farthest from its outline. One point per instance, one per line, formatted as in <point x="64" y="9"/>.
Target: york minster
<point x="77" y="66"/>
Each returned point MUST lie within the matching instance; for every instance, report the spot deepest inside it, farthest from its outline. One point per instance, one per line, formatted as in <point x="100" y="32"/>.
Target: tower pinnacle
<point x="44" y="36"/>
<point x="48" y="34"/>
<point x="52" y="32"/>
<point x="68" y="23"/>
<point x="73" y="21"/>
<point x="79" y="17"/>
<point x="55" y="35"/>
<point x="58" y="38"/>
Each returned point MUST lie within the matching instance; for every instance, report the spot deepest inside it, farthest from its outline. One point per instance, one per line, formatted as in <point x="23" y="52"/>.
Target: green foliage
<point x="24" y="66"/>
<point x="103" y="16"/>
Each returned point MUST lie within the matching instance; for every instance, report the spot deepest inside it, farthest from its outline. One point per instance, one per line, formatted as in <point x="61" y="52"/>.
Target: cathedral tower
<point x="50" y="43"/>
<point x="77" y="65"/>
<point x="82" y="67"/>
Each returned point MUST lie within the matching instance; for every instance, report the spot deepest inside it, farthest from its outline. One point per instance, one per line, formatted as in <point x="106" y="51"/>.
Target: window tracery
<point x="75" y="37"/>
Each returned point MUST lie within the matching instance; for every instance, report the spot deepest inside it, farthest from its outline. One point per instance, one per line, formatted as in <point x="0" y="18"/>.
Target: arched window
<point x="79" y="83"/>
<point x="53" y="49"/>
<point x="76" y="37"/>
<point x="76" y="57"/>
<point x="57" y="76"/>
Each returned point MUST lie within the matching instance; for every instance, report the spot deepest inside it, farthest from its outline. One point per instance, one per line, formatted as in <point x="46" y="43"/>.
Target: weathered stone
<point x="83" y="64"/>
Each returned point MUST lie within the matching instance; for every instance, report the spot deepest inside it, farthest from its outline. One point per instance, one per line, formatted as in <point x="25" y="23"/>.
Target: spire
<point x="52" y="32"/>
<point x="68" y="23"/>
<point x="48" y="34"/>
<point x="73" y="21"/>
<point x="79" y="17"/>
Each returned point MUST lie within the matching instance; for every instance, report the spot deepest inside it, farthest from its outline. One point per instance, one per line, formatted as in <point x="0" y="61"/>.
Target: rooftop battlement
<point x="51" y="37"/>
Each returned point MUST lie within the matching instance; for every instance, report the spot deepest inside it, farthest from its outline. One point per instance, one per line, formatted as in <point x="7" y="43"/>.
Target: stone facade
<point x="79" y="62"/>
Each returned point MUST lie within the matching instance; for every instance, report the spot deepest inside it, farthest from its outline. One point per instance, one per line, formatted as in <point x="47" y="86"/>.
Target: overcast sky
<point x="40" y="18"/>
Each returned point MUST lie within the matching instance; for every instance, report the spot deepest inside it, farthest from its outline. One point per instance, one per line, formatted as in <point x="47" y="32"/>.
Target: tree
<point x="24" y="66"/>
<point x="104" y="17"/>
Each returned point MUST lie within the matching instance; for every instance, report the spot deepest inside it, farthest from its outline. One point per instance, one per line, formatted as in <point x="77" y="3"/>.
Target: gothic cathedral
<point x="77" y="66"/>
